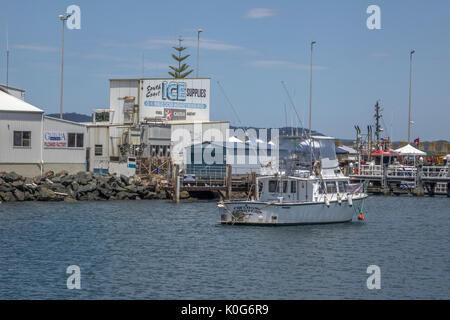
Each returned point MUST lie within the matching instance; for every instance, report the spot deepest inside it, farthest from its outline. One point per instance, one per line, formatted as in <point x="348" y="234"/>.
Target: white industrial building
<point x="32" y="143"/>
<point x="64" y="145"/>
<point x="21" y="126"/>
<point x="164" y="108"/>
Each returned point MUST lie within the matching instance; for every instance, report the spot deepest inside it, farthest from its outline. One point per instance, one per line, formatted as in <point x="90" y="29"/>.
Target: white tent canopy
<point x="409" y="150"/>
<point x="234" y="139"/>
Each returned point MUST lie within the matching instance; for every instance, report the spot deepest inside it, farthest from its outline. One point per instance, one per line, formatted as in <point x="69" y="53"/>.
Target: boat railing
<point x="401" y="171"/>
<point x="369" y="170"/>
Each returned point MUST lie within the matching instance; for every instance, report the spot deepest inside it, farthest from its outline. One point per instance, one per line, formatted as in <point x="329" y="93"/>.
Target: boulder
<point x="46" y="195"/>
<point x="122" y="196"/>
<point x="7" y="196"/>
<point x="20" y="196"/>
<point x="92" y="186"/>
<point x="12" y="176"/>
<point x="6" y="187"/>
<point x="184" y="195"/>
<point x="125" y="179"/>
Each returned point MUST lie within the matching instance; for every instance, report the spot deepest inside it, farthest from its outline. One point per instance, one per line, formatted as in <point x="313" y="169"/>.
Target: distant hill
<point x="72" y="116"/>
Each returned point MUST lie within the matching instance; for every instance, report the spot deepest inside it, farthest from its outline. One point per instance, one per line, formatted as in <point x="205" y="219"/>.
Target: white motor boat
<point x="309" y="188"/>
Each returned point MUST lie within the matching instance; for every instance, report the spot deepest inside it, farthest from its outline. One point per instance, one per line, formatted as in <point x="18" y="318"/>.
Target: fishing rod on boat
<point x="293" y="106"/>
<point x="229" y="102"/>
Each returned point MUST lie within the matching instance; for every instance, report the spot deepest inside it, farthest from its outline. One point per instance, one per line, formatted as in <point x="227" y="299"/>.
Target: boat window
<point x="331" y="187"/>
<point x="273" y="186"/>
<point x="343" y="186"/>
<point x="284" y="186"/>
<point x="321" y="188"/>
<point x="293" y="186"/>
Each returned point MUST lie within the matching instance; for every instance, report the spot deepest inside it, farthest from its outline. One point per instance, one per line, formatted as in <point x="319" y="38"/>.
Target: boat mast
<point x="378" y="128"/>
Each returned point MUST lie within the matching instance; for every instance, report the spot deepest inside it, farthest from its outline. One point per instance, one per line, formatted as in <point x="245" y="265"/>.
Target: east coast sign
<point x="160" y="95"/>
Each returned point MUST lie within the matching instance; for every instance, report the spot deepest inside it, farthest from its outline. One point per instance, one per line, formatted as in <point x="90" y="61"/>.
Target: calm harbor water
<point x="160" y="250"/>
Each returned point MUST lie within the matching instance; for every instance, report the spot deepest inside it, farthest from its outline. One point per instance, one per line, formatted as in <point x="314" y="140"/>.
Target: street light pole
<point x="410" y="86"/>
<point x="63" y="18"/>
<point x="198" y="46"/>
<point x="310" y="89"/>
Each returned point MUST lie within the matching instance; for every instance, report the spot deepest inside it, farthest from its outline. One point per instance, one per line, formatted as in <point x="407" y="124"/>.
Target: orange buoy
<point x="360" y="216"/>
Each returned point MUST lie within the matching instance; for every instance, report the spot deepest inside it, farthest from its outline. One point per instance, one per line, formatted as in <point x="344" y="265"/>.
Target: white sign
<point x="55" y="139"/>
<point x="163" y="97"/>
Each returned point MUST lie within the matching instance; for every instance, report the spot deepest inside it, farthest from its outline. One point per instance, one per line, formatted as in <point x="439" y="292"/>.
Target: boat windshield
<point x="300" y="152"/>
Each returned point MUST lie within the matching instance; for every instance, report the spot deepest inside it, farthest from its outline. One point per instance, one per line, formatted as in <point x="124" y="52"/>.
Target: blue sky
<point x="250" y="47"/>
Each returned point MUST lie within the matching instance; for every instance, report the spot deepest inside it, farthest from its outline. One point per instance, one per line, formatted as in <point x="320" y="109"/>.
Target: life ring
<point x="317" y="167"/>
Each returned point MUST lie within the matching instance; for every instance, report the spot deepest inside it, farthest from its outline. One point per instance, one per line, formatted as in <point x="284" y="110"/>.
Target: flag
<point x="416" y="141"/>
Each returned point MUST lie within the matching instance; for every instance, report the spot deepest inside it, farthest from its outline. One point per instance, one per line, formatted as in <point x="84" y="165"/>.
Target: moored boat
<point x="309" y="188"/>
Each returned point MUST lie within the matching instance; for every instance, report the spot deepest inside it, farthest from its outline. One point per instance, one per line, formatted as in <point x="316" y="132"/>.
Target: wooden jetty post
<point x="176" y="184"/>
<point x="228" y="182"/>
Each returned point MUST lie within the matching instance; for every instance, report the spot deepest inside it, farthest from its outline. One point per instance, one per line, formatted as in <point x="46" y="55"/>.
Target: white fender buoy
<point x="327" y="202"/>
<point x="339" y="200"/>
<point x="350" y="201"/>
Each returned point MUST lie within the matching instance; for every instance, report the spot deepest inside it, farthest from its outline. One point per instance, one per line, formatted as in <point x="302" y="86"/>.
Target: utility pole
<point x="63" y="18"/>
<point x="7" y="59"/>
<point x="310" y="89"/>
<point x="198" y="47"/>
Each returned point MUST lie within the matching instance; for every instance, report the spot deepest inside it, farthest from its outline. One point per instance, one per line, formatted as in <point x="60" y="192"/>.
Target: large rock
<point x="6" y="187"/>
<point x="125" y="179"/>
<point x="20" y="196"/>
<point x="184" y="195"/>
<point x="92" y="186"/>
<point x="46" y="195"/>
<point x="122" y="196"/>
<point x="12" y="176"/>
<point x="7" y="196"/>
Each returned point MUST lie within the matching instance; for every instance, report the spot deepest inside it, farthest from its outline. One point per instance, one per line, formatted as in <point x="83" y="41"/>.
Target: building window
<point x="76" y="140"/>
<point x="22" y="139"/>
<point x="98" y="149"/>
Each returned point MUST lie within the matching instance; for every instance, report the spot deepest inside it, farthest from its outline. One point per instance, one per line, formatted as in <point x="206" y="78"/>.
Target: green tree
<point x="181" y="71"/>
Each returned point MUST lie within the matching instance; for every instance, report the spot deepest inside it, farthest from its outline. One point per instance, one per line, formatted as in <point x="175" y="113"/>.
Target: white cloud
<point x="208" y="44"/>
<point x="258" y="13"/>
<point x="282" y="64"/>
<point x="34" y="47"/>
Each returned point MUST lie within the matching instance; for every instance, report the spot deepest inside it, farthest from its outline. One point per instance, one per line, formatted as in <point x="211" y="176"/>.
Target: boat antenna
<point x="293" y="106"/>
<point x="285" y="117"/>
<point x="231" y="105"/>
<point x="7" y="58"/>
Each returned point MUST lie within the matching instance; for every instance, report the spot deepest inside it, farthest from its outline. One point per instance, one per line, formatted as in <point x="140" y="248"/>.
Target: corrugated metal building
<point x="20" y="136"/>
<point x="31" y="143"/>
<point x="64" y="145"/>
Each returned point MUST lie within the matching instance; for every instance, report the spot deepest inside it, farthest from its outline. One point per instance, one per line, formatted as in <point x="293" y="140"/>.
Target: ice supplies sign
<point x="161" y="98"/>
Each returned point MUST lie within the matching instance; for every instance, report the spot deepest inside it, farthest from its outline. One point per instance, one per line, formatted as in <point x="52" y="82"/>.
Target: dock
<point x="210" y="182"/>
<point x="430" y="180"/>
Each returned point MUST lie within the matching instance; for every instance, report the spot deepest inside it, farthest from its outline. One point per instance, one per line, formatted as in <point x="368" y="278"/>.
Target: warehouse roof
<point x="11" y="103"/>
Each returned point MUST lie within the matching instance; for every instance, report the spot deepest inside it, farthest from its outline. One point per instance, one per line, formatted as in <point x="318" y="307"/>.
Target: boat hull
<point x="260" y="213"/>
